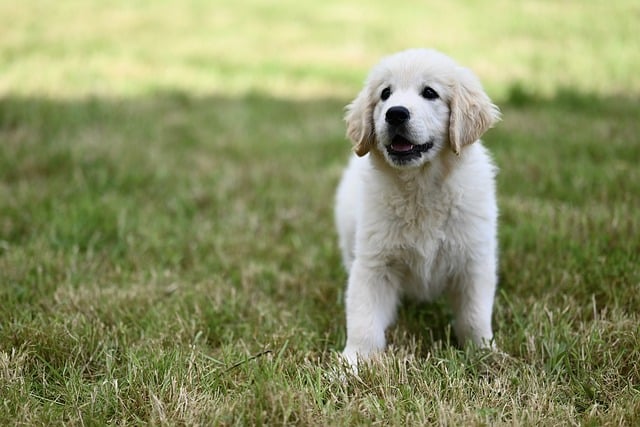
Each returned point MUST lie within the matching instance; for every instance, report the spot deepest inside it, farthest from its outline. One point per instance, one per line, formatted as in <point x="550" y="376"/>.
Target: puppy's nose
<point x="397" y="115"/>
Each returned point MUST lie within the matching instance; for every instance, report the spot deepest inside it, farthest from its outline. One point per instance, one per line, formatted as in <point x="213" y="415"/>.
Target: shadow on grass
<point x="144" y="148"/>
<point x="591" y="128"/>
<point x="566" y="98"/>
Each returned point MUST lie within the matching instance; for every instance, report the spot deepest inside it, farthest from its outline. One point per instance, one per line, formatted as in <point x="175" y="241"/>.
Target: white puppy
<point x="416" y="210"/>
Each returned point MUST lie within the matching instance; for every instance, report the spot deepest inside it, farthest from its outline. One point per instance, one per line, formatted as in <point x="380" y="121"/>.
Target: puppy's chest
<point x="418" y="241"/>
<point x="421" y="264"/>
<point x="418" y="237"/>
<point x="419" y="221"/>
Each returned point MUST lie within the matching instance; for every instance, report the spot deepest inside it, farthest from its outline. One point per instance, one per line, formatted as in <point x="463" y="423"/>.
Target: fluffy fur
<point x="416" y="208"/>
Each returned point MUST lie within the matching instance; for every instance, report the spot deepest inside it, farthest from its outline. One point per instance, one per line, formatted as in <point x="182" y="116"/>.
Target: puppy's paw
<point x="350" y="359"/>
<point x="341" y="370"/>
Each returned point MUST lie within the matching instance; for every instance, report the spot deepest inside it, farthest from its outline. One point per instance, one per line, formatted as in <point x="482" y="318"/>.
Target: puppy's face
<point x="410" y="117"/>
<point x="416" y="104"/>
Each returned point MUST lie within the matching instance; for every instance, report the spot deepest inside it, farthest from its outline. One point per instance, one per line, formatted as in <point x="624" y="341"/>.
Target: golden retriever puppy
<point x="416" y="207"/>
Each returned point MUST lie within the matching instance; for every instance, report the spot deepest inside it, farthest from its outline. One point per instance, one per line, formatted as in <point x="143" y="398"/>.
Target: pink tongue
<point x="401" y="146"/>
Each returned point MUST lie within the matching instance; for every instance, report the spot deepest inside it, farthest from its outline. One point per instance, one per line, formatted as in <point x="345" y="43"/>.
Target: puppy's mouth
<point x="403" y="150"/>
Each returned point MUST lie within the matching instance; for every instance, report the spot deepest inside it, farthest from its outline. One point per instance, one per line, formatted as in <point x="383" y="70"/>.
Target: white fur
<point x="426" y="226"/>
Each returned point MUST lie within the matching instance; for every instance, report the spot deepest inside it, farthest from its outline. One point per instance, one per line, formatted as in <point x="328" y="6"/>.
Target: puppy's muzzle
<point x="397" y="115"/>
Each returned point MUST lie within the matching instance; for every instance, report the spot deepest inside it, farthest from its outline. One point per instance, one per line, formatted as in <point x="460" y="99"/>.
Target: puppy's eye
<point x="429" y="93"/>
<point x="386" y="93"/>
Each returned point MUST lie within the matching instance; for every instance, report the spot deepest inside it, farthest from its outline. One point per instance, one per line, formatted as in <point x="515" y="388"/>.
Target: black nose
<point x="397" y="115"/>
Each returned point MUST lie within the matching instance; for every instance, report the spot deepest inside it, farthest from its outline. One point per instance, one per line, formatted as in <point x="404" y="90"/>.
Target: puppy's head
<point x="415" y="103"/>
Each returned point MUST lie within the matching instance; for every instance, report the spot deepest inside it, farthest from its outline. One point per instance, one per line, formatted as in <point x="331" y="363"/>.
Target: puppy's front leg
<point x="372" y="298"/>
<point x="472" y="303"/>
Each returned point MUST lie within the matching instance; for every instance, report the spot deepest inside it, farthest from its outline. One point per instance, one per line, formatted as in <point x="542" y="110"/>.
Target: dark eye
<point x="429" y="93"/>
<point x="386" y="93"/>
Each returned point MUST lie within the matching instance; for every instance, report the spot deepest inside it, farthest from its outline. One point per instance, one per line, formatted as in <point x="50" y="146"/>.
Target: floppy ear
<point x="472" y="112"/>
<point x="359" y="118"/>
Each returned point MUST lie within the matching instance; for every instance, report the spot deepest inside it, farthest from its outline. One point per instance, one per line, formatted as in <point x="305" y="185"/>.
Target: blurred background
<point x="295" y="49"/>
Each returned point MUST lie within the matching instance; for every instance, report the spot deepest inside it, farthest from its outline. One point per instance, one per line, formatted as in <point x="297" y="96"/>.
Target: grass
<point x="167" y="253"/>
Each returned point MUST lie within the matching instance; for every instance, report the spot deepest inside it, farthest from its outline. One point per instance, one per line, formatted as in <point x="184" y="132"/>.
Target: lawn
<point x="167" y="252"/>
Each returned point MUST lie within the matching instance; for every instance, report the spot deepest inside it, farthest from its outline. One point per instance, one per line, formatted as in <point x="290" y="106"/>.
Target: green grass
<point x="167" y="253"/>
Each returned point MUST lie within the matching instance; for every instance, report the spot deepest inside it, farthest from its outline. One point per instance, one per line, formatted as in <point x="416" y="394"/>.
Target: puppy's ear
<point x="472" y="112"/>
<point x="359" y="118"/>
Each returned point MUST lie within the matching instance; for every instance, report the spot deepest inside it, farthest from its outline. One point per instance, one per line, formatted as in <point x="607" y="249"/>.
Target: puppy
<point x="416" y="208"/>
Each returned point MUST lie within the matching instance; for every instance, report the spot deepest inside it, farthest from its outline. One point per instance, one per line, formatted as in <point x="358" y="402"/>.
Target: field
<point x="167" y="251"/>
